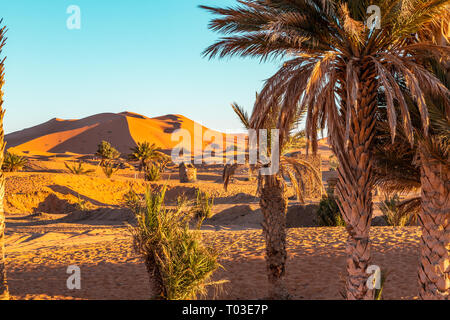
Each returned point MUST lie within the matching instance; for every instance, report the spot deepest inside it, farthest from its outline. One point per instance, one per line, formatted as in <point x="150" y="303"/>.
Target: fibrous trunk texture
<point x="273" y="204"/>
<point x="4" y="293"/>
<point x="354" y="188"/>
<point x="434" y="269"/>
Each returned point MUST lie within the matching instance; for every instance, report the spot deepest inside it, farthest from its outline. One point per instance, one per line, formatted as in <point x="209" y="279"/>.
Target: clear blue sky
<point x="137" y="55"/>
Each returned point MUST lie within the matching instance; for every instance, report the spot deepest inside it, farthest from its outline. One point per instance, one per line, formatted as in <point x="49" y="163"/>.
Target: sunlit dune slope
<point x="122" y="130"/>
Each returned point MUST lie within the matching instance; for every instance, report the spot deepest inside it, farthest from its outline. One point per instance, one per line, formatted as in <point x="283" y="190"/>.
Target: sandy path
<point x="38" y="259"/>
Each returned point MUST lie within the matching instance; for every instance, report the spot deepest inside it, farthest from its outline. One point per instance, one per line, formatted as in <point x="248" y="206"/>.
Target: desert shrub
<point x="109" y="168"/>
<point x="203" y="207"/>
<point x="152" y="172"/>
<point x="328" y="214"/>
<point x="390" y="207"/>
<point x="132" y="200"/>
<point x="182" y="201"/>
<point x="106" y="152"/>
<point x="13" y="162"/>
<point x="78" y="168"/>
<point x="81" y="204"/>
<point x="176" y="258"/>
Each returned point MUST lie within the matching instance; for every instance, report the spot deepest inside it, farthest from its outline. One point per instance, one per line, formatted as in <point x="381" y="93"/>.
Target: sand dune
<point x="122" y="130"/>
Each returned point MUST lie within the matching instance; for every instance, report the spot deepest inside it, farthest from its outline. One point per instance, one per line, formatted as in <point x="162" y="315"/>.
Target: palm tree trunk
<point x="273" y="204"/>
<point x="4" y="293"/>
<point x="354" y="189"/>
<point x="434" y="269"/>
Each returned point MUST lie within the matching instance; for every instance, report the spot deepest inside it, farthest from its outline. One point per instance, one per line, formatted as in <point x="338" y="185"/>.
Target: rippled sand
<point x="38" y="257"/>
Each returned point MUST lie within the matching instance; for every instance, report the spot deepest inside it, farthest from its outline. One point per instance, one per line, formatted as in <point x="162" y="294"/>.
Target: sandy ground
<point x="56" y="219"/>
<point x="38" y="258"/>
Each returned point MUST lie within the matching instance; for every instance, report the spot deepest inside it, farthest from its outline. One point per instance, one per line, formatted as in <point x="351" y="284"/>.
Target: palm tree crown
<point x="144" y="153"/>
<point x="327" y="42"/>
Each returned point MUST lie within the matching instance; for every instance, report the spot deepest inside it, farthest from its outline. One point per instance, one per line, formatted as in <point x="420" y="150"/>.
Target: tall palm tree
<point x="434" y="162"/>
<point x="425" y="164"/>
<point x="336" y="68"/>
<point x="273" y="196"/>
<point x="401" y="167"/>
<point x="4" y="293"/>
<point x="145" y="153"/>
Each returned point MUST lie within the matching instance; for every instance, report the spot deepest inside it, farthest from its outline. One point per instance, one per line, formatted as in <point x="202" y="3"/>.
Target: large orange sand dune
<point x="122" y="130"/>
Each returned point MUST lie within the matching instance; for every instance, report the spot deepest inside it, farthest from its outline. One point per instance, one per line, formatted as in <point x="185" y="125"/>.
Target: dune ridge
<point x="123" y="130"/>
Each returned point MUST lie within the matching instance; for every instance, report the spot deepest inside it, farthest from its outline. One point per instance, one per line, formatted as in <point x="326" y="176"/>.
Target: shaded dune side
<point x="115" y="131"/>
<point x="55" y="126"/>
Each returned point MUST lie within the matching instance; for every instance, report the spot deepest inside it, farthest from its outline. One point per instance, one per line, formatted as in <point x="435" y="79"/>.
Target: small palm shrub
<point x="390" y="207"/>
<point x="203" y="207"/>
<point x="328" y="214"/>
<point x="13" y="162"/>
<point x="178" y="262"/>
<point x="152" y="173"/>
<point x="109" y="169"/>
<point x="78" y="168"/>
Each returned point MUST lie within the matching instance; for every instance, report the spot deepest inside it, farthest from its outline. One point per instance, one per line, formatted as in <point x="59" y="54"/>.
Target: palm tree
<point x="336" y="70"/>
<point x="146" y="153"/>
<point x="434" y="161"/>
<point x="273" y="196"/>
<point x="4" y="293"/>
<point x="425" y="164"/>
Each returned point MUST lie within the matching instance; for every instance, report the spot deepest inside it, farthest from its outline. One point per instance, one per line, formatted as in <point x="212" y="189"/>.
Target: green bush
<point x="152" y="173"/>
<point x="390" y="207"/>
<point x="176" y="258"/>
<point x="106" y="152"/>
<point x="203" y="207"/>
<point x="328" y="214"/>
<point x="13" y="162"/>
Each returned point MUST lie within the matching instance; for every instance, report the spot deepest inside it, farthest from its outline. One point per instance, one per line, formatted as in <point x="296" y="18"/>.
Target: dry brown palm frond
<point x="410" y="208"/>
<point x="295" y="169"/>
<point x="352" y="27"/>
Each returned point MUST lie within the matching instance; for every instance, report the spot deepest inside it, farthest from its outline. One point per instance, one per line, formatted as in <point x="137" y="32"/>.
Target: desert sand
<point x="56" y="219"/>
